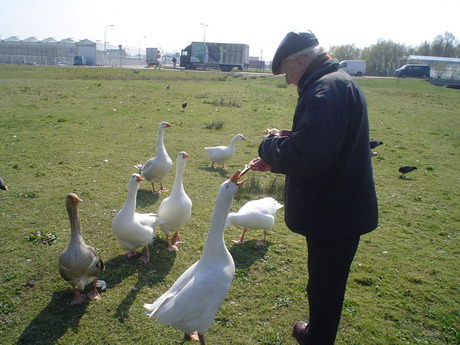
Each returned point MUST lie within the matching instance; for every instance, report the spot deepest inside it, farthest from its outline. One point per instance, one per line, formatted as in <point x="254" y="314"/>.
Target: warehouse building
<point x="50" y="52"/>
<point x="445" y="71"/>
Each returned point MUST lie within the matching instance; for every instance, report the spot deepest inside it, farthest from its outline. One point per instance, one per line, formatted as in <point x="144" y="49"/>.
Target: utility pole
<point x="204" y="32"/>
<point x="105" y="41"/>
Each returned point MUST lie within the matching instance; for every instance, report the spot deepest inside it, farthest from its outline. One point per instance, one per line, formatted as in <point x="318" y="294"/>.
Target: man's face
<point x="291" y="69"/>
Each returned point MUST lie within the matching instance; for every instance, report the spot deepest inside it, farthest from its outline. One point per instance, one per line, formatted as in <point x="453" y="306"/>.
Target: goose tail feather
<point x="139" y="167"/>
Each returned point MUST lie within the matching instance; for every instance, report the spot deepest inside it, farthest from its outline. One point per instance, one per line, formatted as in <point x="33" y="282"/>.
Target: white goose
<point x="156" y="168"/>
<point x="191" y="303"/>
<point x="255" y="214"/>
<point x="221" y="154"/>
<point x="134" y="230"/>
<point x="79" y="264"/>
<point x="176" y="209"/>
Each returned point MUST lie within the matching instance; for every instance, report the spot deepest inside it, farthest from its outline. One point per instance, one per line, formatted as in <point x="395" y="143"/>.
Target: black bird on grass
<point x="2" y="185"/>
<point x="184" y="105"/>
<point x="374" y="143"/>
<point x="404" y="169"/>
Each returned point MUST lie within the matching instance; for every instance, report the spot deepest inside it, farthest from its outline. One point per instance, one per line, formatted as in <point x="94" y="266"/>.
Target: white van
<point x="354" y="67"/>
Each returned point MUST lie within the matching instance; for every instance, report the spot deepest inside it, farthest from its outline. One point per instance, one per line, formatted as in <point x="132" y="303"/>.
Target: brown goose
<point x="79" y="264"/>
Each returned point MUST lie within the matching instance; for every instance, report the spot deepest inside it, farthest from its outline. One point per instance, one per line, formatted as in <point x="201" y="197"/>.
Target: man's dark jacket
<point x="329" y="190"/>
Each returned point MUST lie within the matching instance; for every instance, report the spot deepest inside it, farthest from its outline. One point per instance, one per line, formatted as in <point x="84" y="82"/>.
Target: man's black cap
<point x="292" y="43"/>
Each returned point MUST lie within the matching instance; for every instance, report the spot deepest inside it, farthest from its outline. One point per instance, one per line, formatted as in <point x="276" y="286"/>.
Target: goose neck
<point x="130" y="203"/>
<point x="161" y="151"/>
<point x="178" y="185"/>
<point x="75" y="229"/>
<point x="234" y="140"/>
<point x="160" y="135"/>
<point x="214" y="244"/>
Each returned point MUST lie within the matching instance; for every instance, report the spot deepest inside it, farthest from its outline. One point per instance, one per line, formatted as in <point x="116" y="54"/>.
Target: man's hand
<point x="257" y="164"/>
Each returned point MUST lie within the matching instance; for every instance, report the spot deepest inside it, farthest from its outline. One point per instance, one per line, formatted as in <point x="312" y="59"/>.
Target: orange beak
<point x="185" y="155"/>
<point x="168" y="125"/>
<point x="139" y="178"/>
<point x="238" y="175"/>
<point x="76" y="199"/>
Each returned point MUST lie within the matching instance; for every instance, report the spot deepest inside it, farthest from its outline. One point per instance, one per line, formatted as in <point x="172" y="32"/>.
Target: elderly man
<point x="329" y="189"/>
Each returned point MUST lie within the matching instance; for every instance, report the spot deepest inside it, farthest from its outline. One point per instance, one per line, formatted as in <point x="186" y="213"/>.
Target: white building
<point x="445" y="68"/>
<point x="31" y="51"/>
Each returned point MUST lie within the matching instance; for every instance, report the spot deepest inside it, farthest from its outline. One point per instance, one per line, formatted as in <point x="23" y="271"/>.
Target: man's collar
<point x="314" y="66"/>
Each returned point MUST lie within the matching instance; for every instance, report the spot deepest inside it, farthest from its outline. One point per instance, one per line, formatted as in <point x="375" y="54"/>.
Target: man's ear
<point x="299" y="59"/>
<point x="304" y="61"/>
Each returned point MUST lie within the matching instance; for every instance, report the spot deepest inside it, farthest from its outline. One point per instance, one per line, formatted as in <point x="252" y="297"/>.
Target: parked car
<point x="79" y="60"/>
<point x="416" y="71"/>
<point x="60" y="62"/>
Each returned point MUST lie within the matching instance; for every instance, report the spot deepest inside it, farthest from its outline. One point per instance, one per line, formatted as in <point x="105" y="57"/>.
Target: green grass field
<point x="82" y="130"/>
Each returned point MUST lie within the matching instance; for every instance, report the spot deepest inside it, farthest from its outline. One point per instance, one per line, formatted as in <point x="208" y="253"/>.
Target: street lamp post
<point x="204" y="31"/>
<point x="105" y="41"/>
<point x="140" y="46"/>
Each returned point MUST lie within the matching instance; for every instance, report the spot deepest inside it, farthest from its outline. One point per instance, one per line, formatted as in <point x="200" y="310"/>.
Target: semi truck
<point x="223" y="56"/>
<point x="152" y="57"/>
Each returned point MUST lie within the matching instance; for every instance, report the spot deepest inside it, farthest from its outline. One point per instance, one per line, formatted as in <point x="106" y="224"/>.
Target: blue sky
<point x="173" y="25"/>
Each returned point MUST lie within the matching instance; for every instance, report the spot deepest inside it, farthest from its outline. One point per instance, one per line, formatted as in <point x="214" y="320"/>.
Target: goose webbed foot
<point x="176" y="239"/>
<point x="78" y="297"/>
<point x="129" y="254"/>
<point x="241" y="240"/>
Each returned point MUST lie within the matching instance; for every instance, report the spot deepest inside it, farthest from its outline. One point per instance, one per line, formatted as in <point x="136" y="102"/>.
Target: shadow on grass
<point x="59" y="316"/>
<point x="146" y="198"/>
<point x="54" y="320"/>
<point x="119" y="268"/>
<point x="406" y="178"/>
<point x="244" y="255"/>
<point x="223" y="173"/>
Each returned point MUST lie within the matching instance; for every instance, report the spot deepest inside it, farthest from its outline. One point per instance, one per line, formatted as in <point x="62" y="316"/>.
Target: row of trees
<point x="384" y="57"/>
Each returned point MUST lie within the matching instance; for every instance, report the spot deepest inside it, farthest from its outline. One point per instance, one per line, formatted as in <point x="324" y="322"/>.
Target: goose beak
<point x="76" y="199"/>
<point x="168" y="125"/>
<point x="185" y="155"/>
<point x="139" y="178"/>
<point x="238" y="175"/>
<point x="245" y="170"/>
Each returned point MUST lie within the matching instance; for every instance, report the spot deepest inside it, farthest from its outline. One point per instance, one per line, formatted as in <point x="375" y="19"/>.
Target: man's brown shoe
<point x="299" y="330"/>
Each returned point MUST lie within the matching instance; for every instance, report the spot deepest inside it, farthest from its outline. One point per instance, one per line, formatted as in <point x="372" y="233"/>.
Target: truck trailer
<point x="152" y="57"/>
<point x="223" y="56"/>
